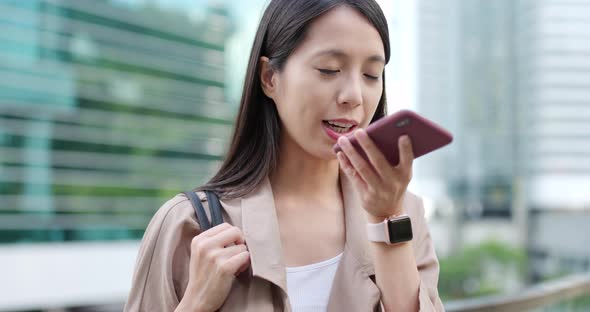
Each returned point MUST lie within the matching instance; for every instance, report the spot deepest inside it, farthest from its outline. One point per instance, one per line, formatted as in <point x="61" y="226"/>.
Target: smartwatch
<point x="391" y="231"/>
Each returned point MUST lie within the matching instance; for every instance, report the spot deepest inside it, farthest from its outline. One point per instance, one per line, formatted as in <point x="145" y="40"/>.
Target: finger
<point x="235" y="263"/>
<point x="350" y="172"/>
<point x="374" y="154"/>
<point x="232" y="235"/>
<point x="345" y="164"/>
<point x="360" y="165"/>
<point x="406" y="154"/>
<point x="215" y="230"/>
<point x="243" y="268"/>
<point x="230" y="251"/>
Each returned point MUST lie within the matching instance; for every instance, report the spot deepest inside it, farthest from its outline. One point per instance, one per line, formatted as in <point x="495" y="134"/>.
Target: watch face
<point x="400" y="230"/>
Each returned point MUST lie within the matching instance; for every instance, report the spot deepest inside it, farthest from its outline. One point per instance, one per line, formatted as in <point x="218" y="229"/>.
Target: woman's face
<point x="334" y="75"/>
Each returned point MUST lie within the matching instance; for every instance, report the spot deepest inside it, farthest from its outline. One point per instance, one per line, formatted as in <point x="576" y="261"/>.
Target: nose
<point x="351" y="92"/>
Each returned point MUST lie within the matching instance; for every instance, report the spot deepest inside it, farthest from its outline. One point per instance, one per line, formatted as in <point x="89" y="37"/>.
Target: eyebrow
<point x="340" y="54"/>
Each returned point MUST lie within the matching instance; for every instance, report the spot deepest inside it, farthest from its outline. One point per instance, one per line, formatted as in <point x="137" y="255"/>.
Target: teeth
<point x="340" y="124"/>
<point x="338" y="129"/>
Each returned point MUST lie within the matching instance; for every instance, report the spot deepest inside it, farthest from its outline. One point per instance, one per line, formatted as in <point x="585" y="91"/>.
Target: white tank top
<point x="309" y="286"/>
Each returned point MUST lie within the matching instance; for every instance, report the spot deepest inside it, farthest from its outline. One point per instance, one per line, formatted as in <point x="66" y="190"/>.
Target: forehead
<point x="345" y="29"/>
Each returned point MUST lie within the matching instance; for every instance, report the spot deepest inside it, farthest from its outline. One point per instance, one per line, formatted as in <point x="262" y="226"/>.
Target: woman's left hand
<point x="380" y="185"/>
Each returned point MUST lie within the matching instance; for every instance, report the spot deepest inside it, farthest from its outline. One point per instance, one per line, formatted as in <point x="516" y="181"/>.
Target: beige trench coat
<point x="162" y="267"/>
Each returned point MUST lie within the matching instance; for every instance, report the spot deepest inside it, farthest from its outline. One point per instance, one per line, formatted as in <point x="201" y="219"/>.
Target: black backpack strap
<point x="199" y="210"/>
<point x="214" y="208"/>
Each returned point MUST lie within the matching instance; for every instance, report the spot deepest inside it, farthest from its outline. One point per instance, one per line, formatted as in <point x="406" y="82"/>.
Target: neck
<point x="300" y="174"/>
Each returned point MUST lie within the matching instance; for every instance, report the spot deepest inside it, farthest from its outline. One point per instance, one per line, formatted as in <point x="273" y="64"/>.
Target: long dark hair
<point x="254" y="148"/>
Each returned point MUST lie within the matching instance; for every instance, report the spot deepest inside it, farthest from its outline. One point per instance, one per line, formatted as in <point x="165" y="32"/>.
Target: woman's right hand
<point x="218" y="255"/>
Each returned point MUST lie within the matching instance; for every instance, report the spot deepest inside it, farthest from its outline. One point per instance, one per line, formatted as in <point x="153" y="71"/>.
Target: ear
<point x="267" y="77"/>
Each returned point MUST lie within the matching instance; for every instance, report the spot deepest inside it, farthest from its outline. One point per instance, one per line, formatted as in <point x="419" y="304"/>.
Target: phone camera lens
<point x="403" y="123"/>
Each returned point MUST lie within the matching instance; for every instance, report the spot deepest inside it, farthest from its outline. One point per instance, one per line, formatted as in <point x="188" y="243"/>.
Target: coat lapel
<point x="353" y="289"/>
<point x="261" y="231"/>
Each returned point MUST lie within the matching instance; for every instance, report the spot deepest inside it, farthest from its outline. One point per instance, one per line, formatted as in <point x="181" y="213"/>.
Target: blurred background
<point x="110" y="107"/>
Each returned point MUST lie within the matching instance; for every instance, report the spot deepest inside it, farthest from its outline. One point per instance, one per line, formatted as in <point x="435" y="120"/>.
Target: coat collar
<point x="261" y="230"/>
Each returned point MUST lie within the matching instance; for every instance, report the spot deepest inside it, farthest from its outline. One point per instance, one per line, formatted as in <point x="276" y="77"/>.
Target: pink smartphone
<point x="426" y="136"/>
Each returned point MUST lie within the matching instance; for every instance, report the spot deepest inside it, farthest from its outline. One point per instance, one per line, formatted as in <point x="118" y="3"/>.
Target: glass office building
<point x="467" y="80"/>
<point x="509" y="78"/>
<point x="106" y="110"/>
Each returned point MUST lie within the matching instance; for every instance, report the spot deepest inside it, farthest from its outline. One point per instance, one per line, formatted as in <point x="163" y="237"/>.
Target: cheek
<point x="304" y="96"/>
<point x="372" y="101"/>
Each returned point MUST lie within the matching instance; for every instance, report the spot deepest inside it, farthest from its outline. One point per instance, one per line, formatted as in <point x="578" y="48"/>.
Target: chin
<point x="323" y="151"/>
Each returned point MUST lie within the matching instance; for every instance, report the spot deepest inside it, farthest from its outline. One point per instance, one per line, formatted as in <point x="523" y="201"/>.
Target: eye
<point x="371" y="77"/>
<point x="328" y="71"/>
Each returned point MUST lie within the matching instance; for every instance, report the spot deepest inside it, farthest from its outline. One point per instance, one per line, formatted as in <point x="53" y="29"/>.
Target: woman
<point x="295" y="237"/>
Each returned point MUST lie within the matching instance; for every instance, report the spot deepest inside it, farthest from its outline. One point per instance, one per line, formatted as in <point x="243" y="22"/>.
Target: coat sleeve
<point x="428" y="265"/>
<point x="161" y="269"/>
